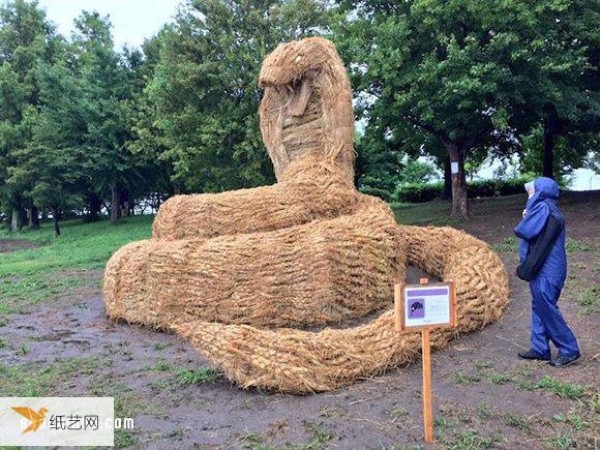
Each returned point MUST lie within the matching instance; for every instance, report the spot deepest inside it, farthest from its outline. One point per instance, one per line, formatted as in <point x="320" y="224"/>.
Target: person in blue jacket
<point x="543" y="263"/>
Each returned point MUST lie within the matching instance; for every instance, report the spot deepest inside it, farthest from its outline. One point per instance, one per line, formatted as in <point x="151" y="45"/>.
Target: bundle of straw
<point x="310" y="189"/>
<point x="296" y="361"/>
<point x="307" y="106"/>
<point x="323" y="272"/>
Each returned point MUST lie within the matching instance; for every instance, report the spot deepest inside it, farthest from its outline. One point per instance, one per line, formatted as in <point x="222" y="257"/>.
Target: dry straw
<point x="325" y="272"/>
<point x="228" y="270"/>
<point x="296" y="361"/>
<point x="307" y="106"/>
<point x="311" y="189"/>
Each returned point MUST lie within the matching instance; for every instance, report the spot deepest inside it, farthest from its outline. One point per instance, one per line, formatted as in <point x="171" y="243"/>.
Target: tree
<point x="27" y="40"/>
<point x="475" y="75"/>
<point x="204" y="89"/>
<point x="53" y="162"/>
<point x="569" y="152"/>
<point x="66" y="118"/>
<point x="108" y="85"/>
<point x="558" y="94"/>
<point x="429" y="67"/>
<point x="416" y="171"/>
<point x="147" y="140"/>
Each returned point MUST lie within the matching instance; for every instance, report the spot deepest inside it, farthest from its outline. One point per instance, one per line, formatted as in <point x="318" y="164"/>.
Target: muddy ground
<point x="484" y="397"/>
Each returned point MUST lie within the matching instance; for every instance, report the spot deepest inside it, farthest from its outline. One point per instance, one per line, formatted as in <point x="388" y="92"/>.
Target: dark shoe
<point x="564" y="361"/>
<point x="529" y="354"/>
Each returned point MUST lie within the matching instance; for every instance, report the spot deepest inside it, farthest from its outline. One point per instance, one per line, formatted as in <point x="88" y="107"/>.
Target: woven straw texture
<point x="324" y="272"/>
<point x="309" y="189"/>
<point x="298" y="361"/>
<point x="307" y="105"/>
<point x="228" y="271"/>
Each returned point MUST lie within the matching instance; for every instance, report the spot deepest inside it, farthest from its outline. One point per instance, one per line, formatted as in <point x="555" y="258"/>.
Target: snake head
<point x="307" y="106"/>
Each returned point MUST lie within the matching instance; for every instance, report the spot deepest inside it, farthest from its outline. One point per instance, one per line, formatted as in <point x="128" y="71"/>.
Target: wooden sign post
<point x="425" y="306"/>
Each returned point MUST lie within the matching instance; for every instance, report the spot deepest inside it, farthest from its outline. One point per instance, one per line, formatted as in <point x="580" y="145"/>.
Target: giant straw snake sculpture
<point x="252" y="277"/>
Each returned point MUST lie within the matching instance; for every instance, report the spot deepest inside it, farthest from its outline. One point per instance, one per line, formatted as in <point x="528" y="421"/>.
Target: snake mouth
<point x="299" y="96"/>
<point x="295" y="94"/>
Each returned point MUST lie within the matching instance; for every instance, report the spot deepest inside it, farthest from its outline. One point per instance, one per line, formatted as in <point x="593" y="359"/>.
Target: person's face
<point x="530" y="192"/>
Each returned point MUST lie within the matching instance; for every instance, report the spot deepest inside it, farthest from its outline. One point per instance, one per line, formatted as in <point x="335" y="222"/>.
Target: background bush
<point x="418" y="193"/>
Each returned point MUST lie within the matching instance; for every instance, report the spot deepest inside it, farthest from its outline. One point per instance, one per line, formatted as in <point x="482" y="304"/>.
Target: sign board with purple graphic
<point x="426" y="305"/>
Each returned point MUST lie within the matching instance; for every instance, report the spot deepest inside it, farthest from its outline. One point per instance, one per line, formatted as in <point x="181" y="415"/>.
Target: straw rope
<point x="296" y="361"/>
<point x="323" y="272"/>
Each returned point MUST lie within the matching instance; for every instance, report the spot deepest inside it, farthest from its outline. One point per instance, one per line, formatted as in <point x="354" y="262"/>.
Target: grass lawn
<point x="57" y="266"/>
<point x="81" y="246"/>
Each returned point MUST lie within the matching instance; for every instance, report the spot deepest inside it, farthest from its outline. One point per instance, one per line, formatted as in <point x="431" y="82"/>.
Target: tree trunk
<point x="114" y="205"/>
<point x="55" y="219"/>
<point x="548" y="157"/>
<point x="14" y="220"/>
<point x="460" y="203"/>
<point x="17" y="222"/>
<point x="125" y="202"/>
<point x="130" y="204"/>
<point x="447" y="193"/>
<point x="34" y="218"/>
<point x="94" y="206"/>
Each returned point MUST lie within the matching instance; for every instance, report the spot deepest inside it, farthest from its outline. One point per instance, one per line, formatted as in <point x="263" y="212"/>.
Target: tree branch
<point x="430" y="128"/>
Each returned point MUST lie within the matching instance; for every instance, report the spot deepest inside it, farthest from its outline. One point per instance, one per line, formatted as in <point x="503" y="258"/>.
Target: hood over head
<point x="546" y="189"/>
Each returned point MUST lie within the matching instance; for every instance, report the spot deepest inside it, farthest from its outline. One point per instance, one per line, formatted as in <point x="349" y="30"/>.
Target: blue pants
<point x="547" y="323"/>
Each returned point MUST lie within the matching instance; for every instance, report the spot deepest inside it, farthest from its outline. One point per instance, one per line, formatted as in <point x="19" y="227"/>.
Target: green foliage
<point x="461" y="377"/>
<point x="561" y="388"/>
<point x="590" y="299"/>
<point x="381" y="193"/>
<point x="474" y="78"/>
<point x="568" y="154"/>
<point x="59" y="266"/>
<point x="499" y="378"/>
<point x="470" y="440"/>
<point x="320" y="436"/>
<point x="27" y="42"/>
<point x="573" y="245"/>
<point x="88" y="246"/>
<point x="563" y="441"/>
<point x="83" y="126"/>
<point x="416" y="172"/>
<point x="417" y="193"/>
<point x="32" y="381"/>
<point x="161" y="366"/>
<point x="206" y="375"/>
<point x="516" y="421"/>
<point x="592" y="161"/>
<point x="204" y="88"/>
<point x="490" y="188"/>
<point x="432" y="213"/>
<point x="508" y="244"/>
<point x="66" y="115"/>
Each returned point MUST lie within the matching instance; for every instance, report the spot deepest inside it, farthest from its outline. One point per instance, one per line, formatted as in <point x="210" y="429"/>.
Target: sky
<point x="132" y="20"/>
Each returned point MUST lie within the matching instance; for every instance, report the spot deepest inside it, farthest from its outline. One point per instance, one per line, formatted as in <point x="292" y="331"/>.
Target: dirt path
<point x="484" y="396"/>
<point x="11" y="245"/>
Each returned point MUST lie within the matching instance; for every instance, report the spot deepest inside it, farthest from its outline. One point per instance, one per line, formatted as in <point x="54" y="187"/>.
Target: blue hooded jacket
<point x="542" y="214"/>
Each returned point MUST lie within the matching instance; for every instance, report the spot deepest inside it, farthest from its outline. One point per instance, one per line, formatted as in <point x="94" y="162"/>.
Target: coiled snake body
<point x="251" y="277"/>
